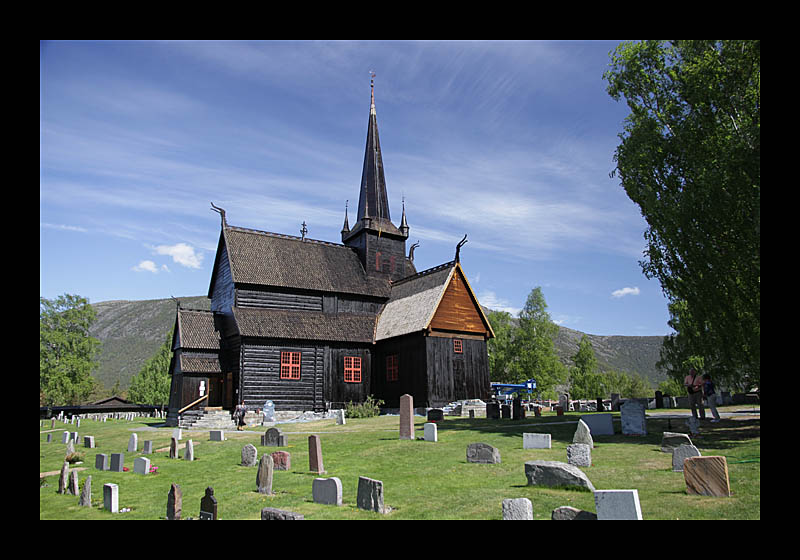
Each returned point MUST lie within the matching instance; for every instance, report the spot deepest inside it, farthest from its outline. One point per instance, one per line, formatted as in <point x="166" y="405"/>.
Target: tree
<point x="534" y="347"/>
<point x="67" y="354"/>
<point x="151" y="385"/>
<point x="500" y="348"/>
<point x="585" y="381"/>
<point x="690" y="157"/>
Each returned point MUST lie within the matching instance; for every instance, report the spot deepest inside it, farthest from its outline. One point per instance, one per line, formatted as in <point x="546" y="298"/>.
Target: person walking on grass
<point x="694" y="387"/>
<point x="238" y="416"/>
<point x="710" y="394"/>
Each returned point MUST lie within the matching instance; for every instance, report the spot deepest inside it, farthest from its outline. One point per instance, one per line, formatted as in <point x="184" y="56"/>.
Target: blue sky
<point x="509" y="142"/>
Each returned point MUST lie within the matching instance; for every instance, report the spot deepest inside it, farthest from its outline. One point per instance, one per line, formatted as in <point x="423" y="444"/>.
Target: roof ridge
<point x="431" y="270"/>
<point x="285" y="236"/>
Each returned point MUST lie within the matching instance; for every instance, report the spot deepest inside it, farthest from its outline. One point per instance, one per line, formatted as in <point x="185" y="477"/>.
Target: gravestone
<point x="617" y="505"/>
<point x="49" y="438"/>
<point x="707" y="476"/>
<point x="583" y="434"/>
<point x="268" y="412"/>
<point x="72" y="483"/>
<point x="615" y="402"/>
<point x="88" y="441"/>
<point x="73" y="437"/>
<point x="282" y="460"/>
<point x="101" y="462"/>
<point x="671" y="440"/>
<point x="600" y="407"/>
<point x="569" y="513"/>
<point x="65" y="437"/>
<point x="208" y="506"/>
<point x="147" y="447"/>
<point x="327" y="491"/>
<point x="274" y="437"/>
<point x="111" y="497"/>
<point x="659" y="399"/>
<point x="437" y="414"/>
<point x="188" y="451"/>
<point x="537" y="411"/>
<point x="315" y="454"/>
<point x="370" y="495"/>
<point x="174" y="502"/>
<point x="536" y="441"/>
<point x="406" y="417"/>
<point x="559" y="410"/>
<point x="340" y="419"/>
<point x="505" y="411"/>
<point x="264" y="475"/>
<point x="482" y="453"/>
<point x="517" y="509"/>
<point x="632" y="415"/>
<point x="493" y="410"/>
<point x="70" y="448"/>
<point x="117" y="462"/>
<point x="599" y="424"/>
<point x="579" y="454"/>
<point x="141" y="465"/>
<point x="275" y="514"/>
<point x="682" y="452"/>
<point x="133" y="443"/>
<point x="555" y="473"/>
<point x="217" y="435"/>
<point x="517" y="412"/>
<point x="249" y="455"/>
<point x="86" y="493"/>
<point x="173" y="448"/>
<point x="177" y="433"/>
<point x="430" y="431"/>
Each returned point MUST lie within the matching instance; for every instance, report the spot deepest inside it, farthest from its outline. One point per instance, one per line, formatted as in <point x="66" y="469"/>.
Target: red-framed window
<point x="352" y="369"/>
<point x="392" y="367"/>
<point x="290" y="365"/>
<point x="458" y="346"/>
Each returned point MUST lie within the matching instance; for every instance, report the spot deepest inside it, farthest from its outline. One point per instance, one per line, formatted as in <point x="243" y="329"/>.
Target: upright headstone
<point x="264" y="475"/>
<point x="117" y="462"/>
<point x="111" y="497"/>
<point x="249" y="455"/>
<point x="517" y="509"/>
<point x="617" y="505"/>
<point x="437" y="414"/>
<point x="177" y="433"/>
<point x="537" y="411"/>
<point x="536" y="441"/>
<point x="174" y="502"/>
<point x="86" y="493"/>
<point x="72" y="483"/>
<point x="671" y="440"/>
<point x="340" y="419"/>
<point x="659" y="399"/>
<point x="583" y="434"/>
<point x="268" y="412"/>
<point x="505" y="411"/>
<point x="599" y="424"/>
<point x="406" y="417"/>
<point x="70" y="448"/>
<point x="707" y="476"/>
<point x="65" y="437"/>
<point x="147" y="447"/>
<point x="188" y="451"/>
<point x="49" y="438"/>
<point x="579" y="454"/>
<point x="632" y="416"/>
<point x="133" y="443"/>
<point x="88" y="441"/>
<point x="141" y="465"/>
<point x="681" y="453"/>
<point x="493" y="410"/>
<point x="615" y="402"/>
<point x="517" y="412"/>
<point x="315" y="454"/>
<point x="101" y="462"/>
<point x="600" y="407"/>
<point x="370" y="494"/>
<point x="274" y="437"/>
<point x="208" y="506"/>
<point x="217" y="435"/>
<point x="430" y="431"/>
<point x="327" y="491"/>
<point x="173" y="448"/>
<point x="482" y="453"/>
<point x="282" y="460"/>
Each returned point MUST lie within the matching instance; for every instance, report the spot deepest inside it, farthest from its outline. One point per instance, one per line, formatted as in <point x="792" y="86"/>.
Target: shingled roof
<point x="196" y="330"/>
<point x="269" y="259"/>
<point x="305" y="325"/>
<point x="414" y="301"/>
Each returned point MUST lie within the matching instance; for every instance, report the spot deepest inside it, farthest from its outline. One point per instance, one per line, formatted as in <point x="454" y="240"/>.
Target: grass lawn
<point x="421" y="480"/>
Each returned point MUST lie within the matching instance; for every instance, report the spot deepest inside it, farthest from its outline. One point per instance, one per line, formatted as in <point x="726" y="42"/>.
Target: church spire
<point x="373" y="204"/>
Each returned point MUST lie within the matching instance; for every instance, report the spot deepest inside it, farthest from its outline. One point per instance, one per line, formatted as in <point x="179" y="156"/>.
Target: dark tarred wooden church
<point x="311" y="325"/>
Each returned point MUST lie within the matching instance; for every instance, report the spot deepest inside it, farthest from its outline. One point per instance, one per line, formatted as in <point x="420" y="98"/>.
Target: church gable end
<point x="458" y="310"/>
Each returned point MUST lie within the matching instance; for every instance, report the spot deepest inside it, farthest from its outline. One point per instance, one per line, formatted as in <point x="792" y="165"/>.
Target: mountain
<point x="132" y="331"/>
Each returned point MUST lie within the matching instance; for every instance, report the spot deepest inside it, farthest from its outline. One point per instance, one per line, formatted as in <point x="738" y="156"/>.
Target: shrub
<point x="369" y="408"/>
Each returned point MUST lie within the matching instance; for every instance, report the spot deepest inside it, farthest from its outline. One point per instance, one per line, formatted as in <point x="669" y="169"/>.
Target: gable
<point x="458" y="309"/>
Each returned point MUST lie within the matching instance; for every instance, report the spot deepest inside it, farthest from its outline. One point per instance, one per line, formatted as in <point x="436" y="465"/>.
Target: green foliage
<point x="690" y="157"/>
<point x="585" y="381"/>
<point x="672" y="387"/>
<point x="67" y="354"/>
<point x="369" y="408"/>
<point x="151" y="385"/>
<point x="500" y="348"/>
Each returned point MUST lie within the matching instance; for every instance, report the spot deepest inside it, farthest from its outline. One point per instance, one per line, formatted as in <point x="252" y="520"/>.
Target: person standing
<point x="238" y="416"/>
<point x="710" y="394"/>
<point x="694" y="387"/>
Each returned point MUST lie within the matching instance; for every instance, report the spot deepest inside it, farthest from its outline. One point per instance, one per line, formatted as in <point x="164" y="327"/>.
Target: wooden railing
<point x="188" y="406"/>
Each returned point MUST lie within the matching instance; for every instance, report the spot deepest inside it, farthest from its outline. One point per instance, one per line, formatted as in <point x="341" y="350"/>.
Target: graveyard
<point x="433" y="474"/>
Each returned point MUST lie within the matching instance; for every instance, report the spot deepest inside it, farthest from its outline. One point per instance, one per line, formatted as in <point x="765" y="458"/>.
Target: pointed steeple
<point x="403" y="223"/>
<point x="373" y="203"/>
<point x="346" y="226"/>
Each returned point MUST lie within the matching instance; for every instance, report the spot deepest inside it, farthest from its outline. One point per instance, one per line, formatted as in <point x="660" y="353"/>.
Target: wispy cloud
<point x="149" y="266"/>
<point x="489" y="299"/>
<point x="622" y="292"/>
<point x="63" y="227"/>
<point x="181" y="253"/>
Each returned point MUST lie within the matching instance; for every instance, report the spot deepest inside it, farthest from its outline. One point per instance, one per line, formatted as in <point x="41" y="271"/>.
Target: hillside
<point x="132" y="331"/>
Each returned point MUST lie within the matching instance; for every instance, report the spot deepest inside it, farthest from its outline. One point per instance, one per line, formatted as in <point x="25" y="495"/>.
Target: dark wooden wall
<point x="337" y="391"/>
<point x="412" y="374"/>
<point x="453" y="376"/>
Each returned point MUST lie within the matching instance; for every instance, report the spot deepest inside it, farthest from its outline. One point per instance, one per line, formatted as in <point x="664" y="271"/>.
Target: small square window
<point x="352" y="369"/>
<point x="392" y="367"/>
<point x="458" y="347"/>
<point x="290" y="365"/>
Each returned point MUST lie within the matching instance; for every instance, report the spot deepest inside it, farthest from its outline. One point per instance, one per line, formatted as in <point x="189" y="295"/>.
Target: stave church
<point x="312" y="325"/>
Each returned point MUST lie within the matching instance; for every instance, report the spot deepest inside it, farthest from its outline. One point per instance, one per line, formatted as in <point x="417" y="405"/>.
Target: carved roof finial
<point x="458" y="247"/>
<point x="221" y="213"/>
